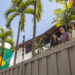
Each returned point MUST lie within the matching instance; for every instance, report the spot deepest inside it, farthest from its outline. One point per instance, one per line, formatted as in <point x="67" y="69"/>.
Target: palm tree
<point x="37" y="10"/>
<point x="20" y="9"/>
<point x="5" y="36"/>
<point x="34" y="31"/>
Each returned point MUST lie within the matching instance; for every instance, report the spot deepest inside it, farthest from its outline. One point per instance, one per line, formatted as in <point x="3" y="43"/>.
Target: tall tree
<point x="37" y="10"/>
<point x="5" y="36"/>
<point x="20" y="9"/>
<point x="34" y="31"/>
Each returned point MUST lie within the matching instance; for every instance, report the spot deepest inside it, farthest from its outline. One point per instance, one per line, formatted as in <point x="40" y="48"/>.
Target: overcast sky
<point x="42" y="26"/>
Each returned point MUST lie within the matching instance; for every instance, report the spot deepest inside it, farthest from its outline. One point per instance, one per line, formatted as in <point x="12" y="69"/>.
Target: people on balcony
<point x="73" y="29"/>
<point x="54" y="40"/>
<point x="65" y="36"/>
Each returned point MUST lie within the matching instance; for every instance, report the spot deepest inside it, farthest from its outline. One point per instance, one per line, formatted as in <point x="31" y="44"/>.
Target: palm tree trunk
<point x="34" y="31"/>
<point x="66" y="14"/>
<point x="23" y="48"/>
<point x="2" y="54"/>
<point x="17" y="43"/>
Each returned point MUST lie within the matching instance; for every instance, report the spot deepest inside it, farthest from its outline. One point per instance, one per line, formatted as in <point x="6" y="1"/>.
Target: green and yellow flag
<point x="3" y="63"/>
<point x="6" y="58"/>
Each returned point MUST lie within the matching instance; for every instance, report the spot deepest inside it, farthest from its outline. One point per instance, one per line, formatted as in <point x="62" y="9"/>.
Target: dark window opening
<point x="28" y="49"/>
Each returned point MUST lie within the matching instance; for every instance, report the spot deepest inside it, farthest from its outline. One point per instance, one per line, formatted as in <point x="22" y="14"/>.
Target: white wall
<point x="19" y="57"/>
<point x="26" y="56"/>
<point x="7" y="45"/>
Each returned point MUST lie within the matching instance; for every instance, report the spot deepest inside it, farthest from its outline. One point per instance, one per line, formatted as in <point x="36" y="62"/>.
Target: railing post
<point x="0" y="72"/>
<point x="23" y="72"/>
<point x="22" y="68"/>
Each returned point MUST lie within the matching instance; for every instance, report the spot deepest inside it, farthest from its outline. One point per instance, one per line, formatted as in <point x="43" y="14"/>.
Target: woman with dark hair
<point x="54" y="40"/>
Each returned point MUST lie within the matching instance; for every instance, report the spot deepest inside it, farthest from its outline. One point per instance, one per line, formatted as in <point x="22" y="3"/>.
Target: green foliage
<point x="5" y="36"/>
<point x="30" y="11"/>
<point x="40" y="44"/>
<point x="64" y="17"/>
<point x="39" y="10"/>
<point x="20" y="7"/>
<point x="10" y="41"/>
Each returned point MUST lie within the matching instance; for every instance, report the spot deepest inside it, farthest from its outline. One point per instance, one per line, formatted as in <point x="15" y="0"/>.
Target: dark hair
<point x="53" y="38"/>
<point x="73" y="23"/>
<point x="62" y="27"/>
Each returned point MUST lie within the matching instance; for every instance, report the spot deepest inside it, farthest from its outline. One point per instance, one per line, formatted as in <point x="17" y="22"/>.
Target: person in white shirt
<point x="73" y="29"/>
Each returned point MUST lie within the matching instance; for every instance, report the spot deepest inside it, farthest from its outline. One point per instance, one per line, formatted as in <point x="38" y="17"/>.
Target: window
<point x="28" y="48"/>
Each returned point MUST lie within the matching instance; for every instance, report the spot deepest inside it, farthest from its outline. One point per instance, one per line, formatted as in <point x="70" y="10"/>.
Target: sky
<point x="42" y="26"/>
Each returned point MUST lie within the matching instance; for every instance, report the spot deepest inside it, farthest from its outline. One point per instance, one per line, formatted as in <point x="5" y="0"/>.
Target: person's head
<point x="62" y="30"/>
<point x="54" y="36"/>
<point x="72" y="25"/>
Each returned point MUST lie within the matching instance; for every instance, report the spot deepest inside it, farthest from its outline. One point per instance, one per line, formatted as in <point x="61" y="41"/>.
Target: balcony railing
<point x="59" y="60"/>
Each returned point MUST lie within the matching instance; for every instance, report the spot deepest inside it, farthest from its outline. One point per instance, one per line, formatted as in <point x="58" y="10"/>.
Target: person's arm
<point x="60" y="41"/>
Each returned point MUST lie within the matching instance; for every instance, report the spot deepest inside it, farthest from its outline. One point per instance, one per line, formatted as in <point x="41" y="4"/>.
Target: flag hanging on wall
<point x="6" y="58"/>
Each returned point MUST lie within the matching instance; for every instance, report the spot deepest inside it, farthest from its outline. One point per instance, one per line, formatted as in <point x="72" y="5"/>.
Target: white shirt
<point x="73" y="34"/>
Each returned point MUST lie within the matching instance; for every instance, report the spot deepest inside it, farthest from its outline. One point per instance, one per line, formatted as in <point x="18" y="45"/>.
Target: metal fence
<point x="57" y="61"/>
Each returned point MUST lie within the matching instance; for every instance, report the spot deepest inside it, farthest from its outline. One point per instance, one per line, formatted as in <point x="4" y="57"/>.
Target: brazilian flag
<point x="6" y="58"/>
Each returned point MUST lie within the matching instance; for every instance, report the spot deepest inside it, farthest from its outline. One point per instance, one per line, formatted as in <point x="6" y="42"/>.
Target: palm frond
<point x="10" y="41"/>
<point x="8" y="33"/>
<point x="13" y="48"/>
<point x="2" y="30"/>
<point x="39" y="10"/>
<point x="29" y="11"/>
<point x="8" y="12"/>
<point x="0" y="36"/>
<point x="10" y="19"/>
<point x="23" y="5"/>
<point x="28" y="2"/>
<point x="17" y="1"/>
